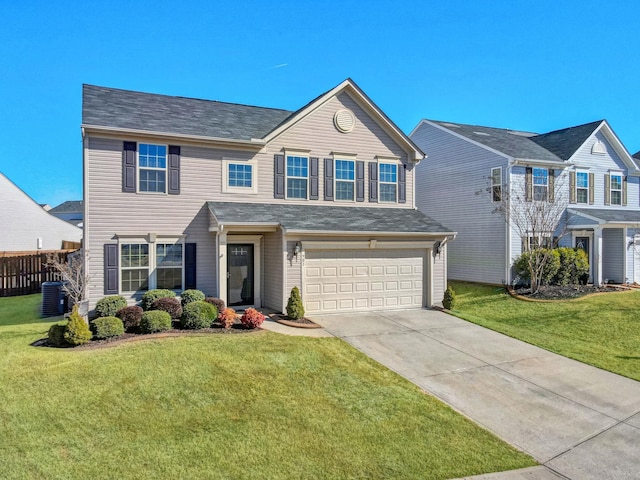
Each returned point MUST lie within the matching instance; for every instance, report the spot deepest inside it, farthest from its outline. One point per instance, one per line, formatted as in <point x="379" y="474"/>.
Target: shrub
<point x="449" y="300"/>
<point x="109" y="306"/>
<point x="107" y="327"/>
<point x="170" y="305"/>
<point x="76" y="331"/>
<point x="155" y="321"/>
<point x="252" y="318"/>
<point x="218" y="302"/>
<point x="198" y="314"/>
<point x="294" y="305"/>
<point x="56" y="334"/>
<point x="552" y="264"/>
<point x="574" y="264"/>
<point x="227" y="317"/>
<point x="130" y="317"/>
<point x="189" y="296"/>
<point x="152" y="295"/>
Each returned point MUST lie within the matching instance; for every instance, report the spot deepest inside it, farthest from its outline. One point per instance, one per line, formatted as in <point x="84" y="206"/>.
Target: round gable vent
<point x="344" y="120"/>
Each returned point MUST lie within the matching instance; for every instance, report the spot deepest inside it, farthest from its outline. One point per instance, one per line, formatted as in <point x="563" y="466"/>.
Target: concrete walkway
<point x="578" y="421"/>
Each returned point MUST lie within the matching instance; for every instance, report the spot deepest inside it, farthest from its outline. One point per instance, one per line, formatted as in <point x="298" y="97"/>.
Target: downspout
<point x="507" y="233"/>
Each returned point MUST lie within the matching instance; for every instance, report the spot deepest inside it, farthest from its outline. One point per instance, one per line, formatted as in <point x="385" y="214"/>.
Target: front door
<point x="240" y="275"/>
<point x="583" y="244"/>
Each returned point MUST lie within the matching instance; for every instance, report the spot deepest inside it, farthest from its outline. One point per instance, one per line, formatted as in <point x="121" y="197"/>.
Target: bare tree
<point x="72" y="271"/>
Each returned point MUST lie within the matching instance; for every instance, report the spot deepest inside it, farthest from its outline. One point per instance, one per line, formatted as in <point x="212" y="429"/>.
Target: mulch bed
<point x="555" y="292"/>
<point x="293" y="322"/>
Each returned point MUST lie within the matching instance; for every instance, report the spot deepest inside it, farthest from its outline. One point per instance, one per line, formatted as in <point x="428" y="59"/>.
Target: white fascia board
<point x="243" y="226"/>
<point x="340" y="233"/>
<point x="366" y="245"/>
<point x="541" y="163"/>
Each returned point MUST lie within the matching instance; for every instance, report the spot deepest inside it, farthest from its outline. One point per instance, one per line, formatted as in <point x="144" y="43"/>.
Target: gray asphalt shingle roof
<point x="636" y="155"/>
<point x="565" y="142"/>
<point x="70" y="206"/>
<point x="610" y="215"/>
<point x="327" y="218"/>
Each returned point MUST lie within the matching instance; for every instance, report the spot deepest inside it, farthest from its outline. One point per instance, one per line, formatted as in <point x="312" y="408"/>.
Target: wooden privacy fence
<point x="25" y="274"/>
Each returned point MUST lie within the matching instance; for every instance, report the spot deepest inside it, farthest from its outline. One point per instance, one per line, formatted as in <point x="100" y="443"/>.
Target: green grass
<point x="602" y="330"/>
<point x="222" y="406"/>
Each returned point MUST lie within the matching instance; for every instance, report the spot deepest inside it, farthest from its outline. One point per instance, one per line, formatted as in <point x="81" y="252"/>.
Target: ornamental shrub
<point x="189" y="296"/>
<point x="551" y="266"/>
<point x="198" y="314"/>
<point x="76" y="331"/>
<point x="171" y="305"/>
<point x="155" y="321"/>
<point x="218" y="302"/>
<point x="130" y="317"/>
<point x="252" y="318"/>
<point x="152" y="295"/>
<point x="227" y="317"/>
<point x="107" y="327"/>
<point x="56" y="334"/>
<point x="574" y="264"/>
<point x="449" y="300"/>
<point x="109" y="306"/>
<point x="295" y="309"/>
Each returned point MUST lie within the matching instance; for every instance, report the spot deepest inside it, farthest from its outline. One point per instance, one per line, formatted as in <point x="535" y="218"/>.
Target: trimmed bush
<point x="107" y="327"/>
<point x="574" y="264"/>
<point x="155" y="321"/>
<point x="152" y="295"/>
<point x="198" y="314"/>
<point x="295" y="309"/>
<point x="227" y="317"/>
<point x="130" y="317"/>
<point x="170" y="305"/>
<point x="449" y="300"/>
<point x="109" y="306"/>
<point x="56" y="334"/>
<point x="189" y="296"/>
<point x="252" y="318"/>
<point x="218" y="302"/>
<point x="76" y="331"/>
<point x="550" y="269"/>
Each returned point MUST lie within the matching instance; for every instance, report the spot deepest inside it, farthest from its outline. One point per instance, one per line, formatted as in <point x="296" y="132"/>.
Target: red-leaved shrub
<point x="227" y="317"/>
<point x="130" y="317"/>
<point x="218" y="302"/>
<point x="252" y="318"/>
<point x="171" y="305"/>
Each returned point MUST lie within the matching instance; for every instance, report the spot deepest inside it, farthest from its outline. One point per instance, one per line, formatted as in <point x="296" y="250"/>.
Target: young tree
<point x="74" y="277"/>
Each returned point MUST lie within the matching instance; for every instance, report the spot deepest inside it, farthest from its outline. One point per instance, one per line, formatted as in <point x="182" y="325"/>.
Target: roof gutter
<point x="541" y="163"/>
<point x="342" y="233"/>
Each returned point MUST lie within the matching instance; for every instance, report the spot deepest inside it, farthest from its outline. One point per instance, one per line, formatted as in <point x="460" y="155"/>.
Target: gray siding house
<point x="585" y="167"/>
<point x="246" y="202"/>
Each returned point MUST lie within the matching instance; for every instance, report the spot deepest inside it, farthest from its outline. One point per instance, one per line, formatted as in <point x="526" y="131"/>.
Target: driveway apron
<point x="578" y="421"/>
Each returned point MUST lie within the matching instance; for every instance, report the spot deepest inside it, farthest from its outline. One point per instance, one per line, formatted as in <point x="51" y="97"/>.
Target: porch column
<point x="597" y="256"/>
<point x="222" y="266"/>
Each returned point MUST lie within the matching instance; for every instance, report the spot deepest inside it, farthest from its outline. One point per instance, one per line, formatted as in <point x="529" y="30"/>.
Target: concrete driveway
<point x="578" y="421"/>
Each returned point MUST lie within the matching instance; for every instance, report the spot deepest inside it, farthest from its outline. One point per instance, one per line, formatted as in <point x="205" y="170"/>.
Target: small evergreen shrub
<point x="76" y="331"/>
<point x="227" y="317"/>
<point x="574" y="264"/>
<point x="107" y="327"/>
<point x="189" y="296"/>
<point x="56" y="335"/>
<point x="218" y="302"/>
<point x="171" y="305"/>
<point x="449" y="300"/>
<point x="198" y="314"/>
<point x="295" y="309"/>
<point x="550" y="269"/>
<point x="130" y="317"/>
<point x="252" y="318"/>
<point x="109" y="306"/>
<point x="152" y="295"/>
<point x="155" y="321"/>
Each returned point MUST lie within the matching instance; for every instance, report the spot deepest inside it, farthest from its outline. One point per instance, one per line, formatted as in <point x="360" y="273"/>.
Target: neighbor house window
<point x="134" y="267"/>
<point x="152" y="165"/>
<point x="146" y="266"/>
<point x="240" y="175"/>
<point x="345" y="179"/>
<point x="616" y="189"/>
<point x="540" y="184"/>
<point x="297" y="176"/>
<point x="388" y="180"/>
<point x="496" y="184"/>
<point x="582" y="187"/>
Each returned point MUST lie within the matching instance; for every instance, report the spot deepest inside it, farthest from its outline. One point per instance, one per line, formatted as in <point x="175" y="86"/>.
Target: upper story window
<point x="297" y="177"/>
<point x="345" y="179"/>
<point x="496" y="184"/>
<point x="582" y="187"/>
<point x="240" y="175"/>
<point x="388" y="181"/>
<point x="616" y="188"/>
<point x="540" y="184"/>
<point x="152" y="166"/>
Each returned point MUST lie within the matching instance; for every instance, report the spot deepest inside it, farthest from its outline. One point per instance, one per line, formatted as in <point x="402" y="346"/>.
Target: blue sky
<point x="527" y="65"/>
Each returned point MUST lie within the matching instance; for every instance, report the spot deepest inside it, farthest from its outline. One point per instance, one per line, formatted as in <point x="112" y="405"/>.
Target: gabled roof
<point x="70" y="206"/>
<point x="564" y="143"/>
<point x="606" y="215"/>
<point x="636" y="155"/>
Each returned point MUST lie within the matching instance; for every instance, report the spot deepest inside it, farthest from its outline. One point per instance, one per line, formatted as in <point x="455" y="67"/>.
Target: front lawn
<point x="602" y="330"/>
<point x="222" y="406"/>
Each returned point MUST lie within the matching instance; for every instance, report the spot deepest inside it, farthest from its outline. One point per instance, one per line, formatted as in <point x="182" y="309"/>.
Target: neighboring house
<point x="26" y="226"/>
<point x="71" y="211"/>
<point x="585" y="166"/>
<point x="246" y="202"/>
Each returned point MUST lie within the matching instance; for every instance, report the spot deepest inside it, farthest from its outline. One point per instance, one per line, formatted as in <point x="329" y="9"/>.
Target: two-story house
<point x="246" y="202"/>
<point x="470" y="168"/>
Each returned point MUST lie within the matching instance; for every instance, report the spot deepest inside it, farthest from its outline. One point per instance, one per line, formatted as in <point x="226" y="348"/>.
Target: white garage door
<point x="343" y="280"/>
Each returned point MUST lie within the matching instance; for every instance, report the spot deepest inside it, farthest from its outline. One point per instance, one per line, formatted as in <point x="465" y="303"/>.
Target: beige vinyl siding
<point x="293" y="269"/>
<point x="273" y="270"/>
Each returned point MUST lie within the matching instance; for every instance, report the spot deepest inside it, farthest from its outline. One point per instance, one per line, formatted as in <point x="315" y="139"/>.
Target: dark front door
<point x="240" y="274"/>
<point x="583" y="244"/>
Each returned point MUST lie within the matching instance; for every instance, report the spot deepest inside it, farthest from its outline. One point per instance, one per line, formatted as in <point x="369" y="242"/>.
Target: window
<point x="144" y="268"/>
<point x="388" y="179"/>
<point x="582" y="187"/>
<point x="541" y="241"/>
<point x="152" y="164"/>
<point x="240" y="175"/>
<point x="297" y="176"/>
<point x="616" y="189"/>
<point x="134" y="261"/>
<point x="345" y="179"/>
<point x="169" y="266"/>
<point x="540" y="184"/>
<point x="496" y="184"/>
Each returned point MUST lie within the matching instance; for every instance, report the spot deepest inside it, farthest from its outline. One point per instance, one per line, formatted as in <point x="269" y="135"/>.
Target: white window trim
<point x="493" y="184"/>
<point x="380" y="182"/>
<point x="253" y="190"/>
<point x="296" y="153"/>
<point x="344" y="158"/>
<point x="165" y="169"/>
<point x="576" y="186"/>
<point x="611" y="190"/>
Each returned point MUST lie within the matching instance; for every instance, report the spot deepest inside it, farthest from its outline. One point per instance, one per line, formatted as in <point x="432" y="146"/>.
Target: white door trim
<point x="256" y="241"/>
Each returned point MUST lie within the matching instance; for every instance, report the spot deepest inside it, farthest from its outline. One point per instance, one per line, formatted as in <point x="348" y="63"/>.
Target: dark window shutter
<point x="572" y="187"/>
<point x="373" y="182"/>
<point x="313" y="178"/>
<point x="592" y="179"/>
<point x="278" y="177"/>
<point x="607" y="189"/>
<point x="328" y="179"/>
<point x="174" y="170"/>
<point x="110" y="269"/>
<point x="402" y="183"/>
<point x="129" y="167"/>
<point x="528" y="184"/>
<point x="551" y="197"/>
<point x="189" y="265"/>
<point x="624" y="191"/>
<point x="359" y="181"/>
